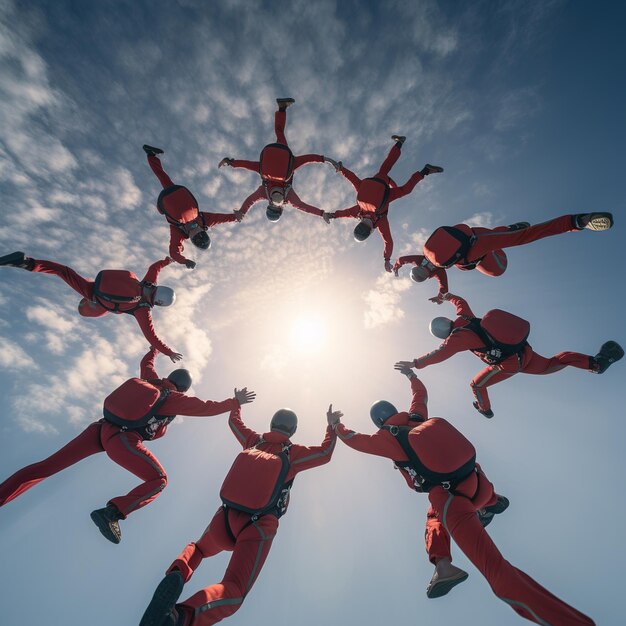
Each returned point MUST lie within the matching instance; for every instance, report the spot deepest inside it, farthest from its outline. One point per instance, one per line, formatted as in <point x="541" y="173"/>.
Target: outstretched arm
<point x="146" y="367"/>
<point x="385" y="232"/>
<point x="176" y="245"/>
<point x="154" y="270"/>
<point x="305" y="159"/>
<point x="353" y="211"/>
<point x="419" y="401"/>
<point x="294" y="200"/>
<point x="144" y="319"/>
<point x="462" y="307"/>
<point x="213" y="219"/>
<point x="351" y="176"/>
<point x="253" y="166"/>
<point x="306" y="457"/>
<point x="253" y="198"/>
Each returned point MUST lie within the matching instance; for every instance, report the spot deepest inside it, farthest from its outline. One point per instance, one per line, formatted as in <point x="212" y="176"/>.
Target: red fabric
<point x="252" y="540"/>
<point x="435" y="272"/>
<point x="291" y="198"/>
<point x="125" y="448"/>
<point x="458" y="519"/>
<point x="157" y="168"/>
<point x="250" y="547"/>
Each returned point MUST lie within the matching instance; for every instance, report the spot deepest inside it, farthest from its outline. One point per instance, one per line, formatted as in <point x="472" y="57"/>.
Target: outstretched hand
<point x="333" y="417"/>
<point x="243" y="396"/>
<point x="225" y="161"/>
<point x="336" y="164"/>
<point x="388" y="266"/>
<point x="404" y="367"/>
<point x="176" y="356"/>
<point x="438" y="299"/>
<point x="239" y="214"/>
<point x="326" y="216"/>
<point x="190" y="264"/>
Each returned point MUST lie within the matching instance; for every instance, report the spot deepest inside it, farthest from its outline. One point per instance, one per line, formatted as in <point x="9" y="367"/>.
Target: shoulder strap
<point x="142" y="421"/>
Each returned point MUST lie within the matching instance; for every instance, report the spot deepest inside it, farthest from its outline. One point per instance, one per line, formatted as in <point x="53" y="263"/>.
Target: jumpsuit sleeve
<point x="253" y="166"/>
<point x="351" y="176"/>
<point x="154" y="270"/>
<point x="180" y="404"/>
<point x="213" y="219"/>
<point x="385" y="232"/>
<point x="246" y="436"/>
<point x="442" y="278"/>
<point x="306" y="457"/>
<point x="419" y="402"/>
<point x="416" y="259"/>
<point x="459" y="341"/>
<point x="146" y="367"/>
<point x="176" y="245"/>
<point x="462" y="308"/>
<point x="253" y="198"/>
<point x="305" y="159"/>
<point x="143" y="316"/>
<point x="353" y="211"/>
<point x="378" y="444"/>
<point x="294" y="199"/>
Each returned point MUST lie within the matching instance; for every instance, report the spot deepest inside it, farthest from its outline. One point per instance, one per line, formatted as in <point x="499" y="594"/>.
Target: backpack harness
<point x="494" y="351"/>
<point x="188" y="209"/>
<point x="383" y="202"/>
<point x="466" y="242"/>
<point x="112" y="301"/>
<point x="284" y="176"/>
<point x="423" y="478"/>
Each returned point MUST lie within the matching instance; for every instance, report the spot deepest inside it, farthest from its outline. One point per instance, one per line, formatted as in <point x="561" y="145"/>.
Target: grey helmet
<point x="284" y="421"/>
<point x="273" y="213"/>
<point x="164" y="296"/>
<point x="201" y="240"/>
<point x="181" y="379"/>
<point x="419" y="273"/>
<point x="362" y="231"/>
<point x="441" y="327"/>
<point x="381" y="411"/>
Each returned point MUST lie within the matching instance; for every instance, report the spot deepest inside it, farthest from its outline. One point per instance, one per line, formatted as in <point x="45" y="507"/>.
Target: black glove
<point x="190" y="264"/>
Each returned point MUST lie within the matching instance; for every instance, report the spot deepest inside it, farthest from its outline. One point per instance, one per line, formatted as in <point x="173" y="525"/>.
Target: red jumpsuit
<point x="486" y="252"/>
<point x="379" y="217"/>
<point x="90" y="307"/>
<point x="527" y="362"/>
<point x="126" y="448"/>
<point x="262" y="192"/>
<point x="454" y="515"/>
<point x="435" y="272"/>
<point x="177" y="236"/>
<point x="232" y="530"/>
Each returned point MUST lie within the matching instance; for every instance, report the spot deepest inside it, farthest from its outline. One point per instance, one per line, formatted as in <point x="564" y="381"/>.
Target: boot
<point x="283" y="103"/>
<point x="430" y="169"/>
<point x="488" y="413"/>
<point x="162" y="608"/>
<point x="610" y="352"/>
<point x="486" y="515"/>
<point x="445" y="577"/>
<point x="151" y="150"/>
<point x="593" y="221"/>
<point x="17" y="259"/>
<point x="518" y="226"/>
<point x="107" y="520"/>
<point x="399" y="139"/>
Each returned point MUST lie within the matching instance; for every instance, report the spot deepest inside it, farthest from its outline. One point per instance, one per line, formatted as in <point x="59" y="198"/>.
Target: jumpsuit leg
<point x="496" y="239"/>
<point x="128" y="451"/>
<point x="86" y="444"/>
<point x="525" y="596"/>
<point x="280" y="119"/>
<point x="436" y="538"/>
<point x="216" y="602"/>
<point x="159" y="172"/>
<point x="407" y="188"/>
<point x="75" y="281"/>
<point x="538" y="364"/>
<point x="491" y="375"/>
<point x="389" y="162"/>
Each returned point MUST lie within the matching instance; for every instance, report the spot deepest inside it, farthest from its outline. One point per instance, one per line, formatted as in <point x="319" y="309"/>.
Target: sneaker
<point x="610" y="352"/>
<point x="283" y="103"/>
<point x="151" y="150"/>
<point x="519" y="226"/>
<point x="162" y="608"/>
<point x="486" y="515"/>
<point x="399" y="139"/>
<point x="107" y="521"/>
<point x="17" y="259"/>
<point x="441" y="586"/>
<point x="488" y="413"/>
<point x="593" y="221"/>
<point x="431" y="169"/>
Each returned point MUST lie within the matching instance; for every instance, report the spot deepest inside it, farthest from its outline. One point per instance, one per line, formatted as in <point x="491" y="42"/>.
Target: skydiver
<point x="255" y="494"/>
<point x="276" y="166"/>
<point x="375" y="194"/>
<point x="139" y="410"/>
<point x="500" y="340"/>
<point x="434" y="457"/>
<point x="112" y="291"/>
<point x="180" y="208"/>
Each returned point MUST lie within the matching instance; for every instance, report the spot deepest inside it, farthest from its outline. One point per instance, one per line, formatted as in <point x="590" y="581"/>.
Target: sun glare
<point x="307" y="333"/>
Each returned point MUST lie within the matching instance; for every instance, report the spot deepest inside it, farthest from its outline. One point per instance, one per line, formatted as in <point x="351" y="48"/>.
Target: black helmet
<point x="181" y="379"/>
<point x="381" y="411"/>
<point x="362" y="231"/>
<point x="273" y="213"/>
<point x="201" y="240"/>
<point x="285" y="421"/>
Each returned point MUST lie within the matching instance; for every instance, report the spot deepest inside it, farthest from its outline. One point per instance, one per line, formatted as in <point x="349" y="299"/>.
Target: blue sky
<point x="521" y="103"/>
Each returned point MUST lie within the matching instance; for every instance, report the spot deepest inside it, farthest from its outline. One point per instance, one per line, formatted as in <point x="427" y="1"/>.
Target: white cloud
<point x="484" y="219"/>
<point x="14" y="357"/>
<point x="383" y="302"/>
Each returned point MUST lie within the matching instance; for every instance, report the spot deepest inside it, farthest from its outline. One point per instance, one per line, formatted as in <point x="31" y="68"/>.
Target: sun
<point x="307" y="333"/>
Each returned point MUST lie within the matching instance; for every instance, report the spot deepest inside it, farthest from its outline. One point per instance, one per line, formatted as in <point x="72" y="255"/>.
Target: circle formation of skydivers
<point x="432" y="456"/>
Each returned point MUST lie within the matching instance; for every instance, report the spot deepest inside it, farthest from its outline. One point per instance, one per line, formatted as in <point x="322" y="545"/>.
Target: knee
<point x="162" y="481"/>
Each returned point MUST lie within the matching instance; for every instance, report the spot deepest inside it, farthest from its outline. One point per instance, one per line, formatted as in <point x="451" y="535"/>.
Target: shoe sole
<point x="104" y="528"/>
<point x="163" y="600"/>
<point x="612" y="350"/>
<point x="599" y="223"/>
<point x="8" y="259"/>
<point x="441" y="588"/>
